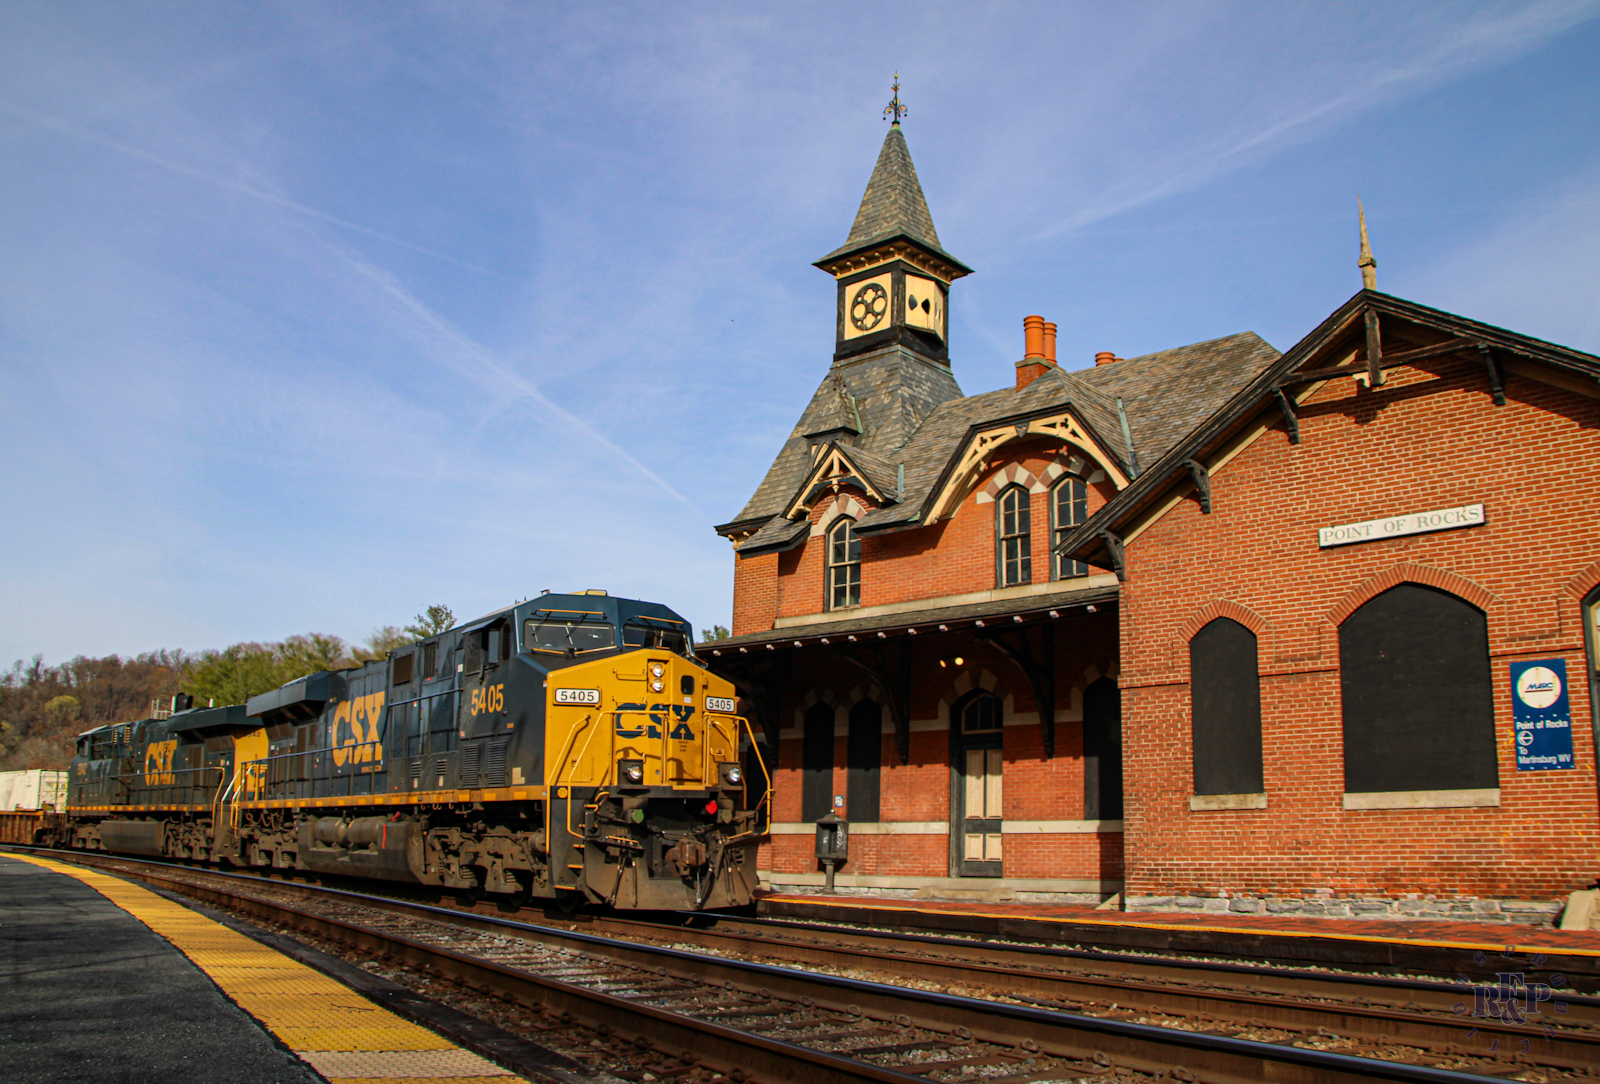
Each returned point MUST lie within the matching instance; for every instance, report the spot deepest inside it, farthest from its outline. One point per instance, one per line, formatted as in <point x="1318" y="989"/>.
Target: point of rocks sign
<point x="1541" y="714"/>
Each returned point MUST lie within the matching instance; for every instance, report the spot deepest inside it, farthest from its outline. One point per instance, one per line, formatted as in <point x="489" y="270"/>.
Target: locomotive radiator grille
<point x="495" y="771"/>
<point x="469" y="765"/>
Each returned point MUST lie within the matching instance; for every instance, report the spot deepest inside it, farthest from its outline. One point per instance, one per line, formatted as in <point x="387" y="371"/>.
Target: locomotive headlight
<point x="657" y="677"/>
<point x="631" y="771"/>
<point x="732" y="774"/>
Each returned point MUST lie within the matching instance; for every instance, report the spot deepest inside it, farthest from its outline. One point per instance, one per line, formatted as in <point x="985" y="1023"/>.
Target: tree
<point x="312" y="652"/>
<point x="715" y="632"/>
<point x="235" y="674"/>
<point x="431" y="622"/>
<point x="381" y="642"/>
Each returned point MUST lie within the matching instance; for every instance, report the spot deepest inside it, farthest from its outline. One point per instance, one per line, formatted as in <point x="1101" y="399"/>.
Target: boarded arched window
<point x="1013" y="544"/>
<point x="864" y="756"/>
<point x="1225" y="704"/>
<point x="1102" y="751"/>
<point x="816" y="762"/>
<point x="1418" y="701"/>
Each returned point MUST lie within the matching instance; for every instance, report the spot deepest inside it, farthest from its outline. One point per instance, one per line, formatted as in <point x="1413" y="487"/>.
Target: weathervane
<point x="894" y="110"/>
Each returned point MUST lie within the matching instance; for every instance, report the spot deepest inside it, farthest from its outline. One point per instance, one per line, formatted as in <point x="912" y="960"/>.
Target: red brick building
<point x="1210" y="627"/>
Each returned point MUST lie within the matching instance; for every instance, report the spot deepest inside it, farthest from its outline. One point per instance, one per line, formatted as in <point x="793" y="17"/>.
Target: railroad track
<point x="751" y="1019"/>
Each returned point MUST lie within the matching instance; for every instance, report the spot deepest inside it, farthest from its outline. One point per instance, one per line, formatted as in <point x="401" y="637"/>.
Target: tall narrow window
<point x="844" y="565"/>
<point x="1418" y="697"/>
<point x="1225" y="698"/>
<point x="1069" y="506"/>
<point x="1011" y="530"/>
<point x="1102" y="751"/>
<point x="816" y="762"/>
<point x="864" y="754"/>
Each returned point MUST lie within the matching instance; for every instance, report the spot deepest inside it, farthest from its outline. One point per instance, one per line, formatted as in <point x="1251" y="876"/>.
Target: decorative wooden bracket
<point x="1497" y="387"/>
<point x="1374" y="351"/>
<point x="1040" y="672"/>
<point x="1118" y="554"/>
<point x="894" y="680"/>
<point x="1202" y="484"/>
<point x="1291" y="420"/>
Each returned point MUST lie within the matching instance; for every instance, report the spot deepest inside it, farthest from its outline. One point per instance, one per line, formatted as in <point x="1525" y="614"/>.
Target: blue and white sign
<point x="1541" y="714"/>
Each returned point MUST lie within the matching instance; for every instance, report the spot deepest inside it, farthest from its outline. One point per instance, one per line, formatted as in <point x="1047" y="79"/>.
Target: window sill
<point x="1423" y="799"/>
<point x="1202" y="802"/>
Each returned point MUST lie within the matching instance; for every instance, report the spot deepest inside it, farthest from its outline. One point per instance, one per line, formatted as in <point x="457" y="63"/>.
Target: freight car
<point x="570" y="747"/>
<point x="30" y="805"/>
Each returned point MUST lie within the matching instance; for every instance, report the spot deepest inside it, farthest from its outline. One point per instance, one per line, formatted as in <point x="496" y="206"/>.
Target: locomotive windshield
<point x="561" y="637"/>
<point x="644" y="636"/>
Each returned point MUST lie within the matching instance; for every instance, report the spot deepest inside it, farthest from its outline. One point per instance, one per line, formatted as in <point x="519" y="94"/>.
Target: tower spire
<point x="1369" y="266"/>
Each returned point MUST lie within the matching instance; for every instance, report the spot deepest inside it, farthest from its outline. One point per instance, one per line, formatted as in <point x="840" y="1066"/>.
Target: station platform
<point x="1471" y="948"/>
<point x="109" y="982"/>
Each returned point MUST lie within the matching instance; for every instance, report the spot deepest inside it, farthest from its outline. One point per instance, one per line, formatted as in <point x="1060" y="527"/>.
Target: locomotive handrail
<point x="761" y="762"/>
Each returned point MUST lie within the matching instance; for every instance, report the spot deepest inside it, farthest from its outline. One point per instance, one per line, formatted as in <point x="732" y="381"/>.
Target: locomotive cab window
<point x="566" y="637"/>
<point x="648" y="637"/>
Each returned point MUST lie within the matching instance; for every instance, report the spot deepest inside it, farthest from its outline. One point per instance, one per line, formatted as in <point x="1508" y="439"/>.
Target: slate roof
<point x="895" y="390"/>
<point x="893" y="204"/>
<point x="914" y="415"/>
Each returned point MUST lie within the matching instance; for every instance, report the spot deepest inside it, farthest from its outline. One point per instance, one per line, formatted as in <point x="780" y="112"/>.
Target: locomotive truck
<point x="570" y="747"/>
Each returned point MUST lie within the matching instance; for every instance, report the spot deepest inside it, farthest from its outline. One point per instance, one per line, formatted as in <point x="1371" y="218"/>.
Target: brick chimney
<point x="1039" y="350"/>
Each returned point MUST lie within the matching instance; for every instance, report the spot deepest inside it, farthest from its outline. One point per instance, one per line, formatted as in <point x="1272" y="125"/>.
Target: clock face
<point x="868" y="307"/>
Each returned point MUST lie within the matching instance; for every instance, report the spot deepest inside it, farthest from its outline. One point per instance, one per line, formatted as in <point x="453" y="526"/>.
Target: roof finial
<point x="1369" y="266"/>
<point x="894" y="110"/>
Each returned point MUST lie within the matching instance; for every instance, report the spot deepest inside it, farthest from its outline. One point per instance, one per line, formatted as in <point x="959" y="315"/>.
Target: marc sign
<point x="1541" y="715"/>
<point x="1444" y="519"/>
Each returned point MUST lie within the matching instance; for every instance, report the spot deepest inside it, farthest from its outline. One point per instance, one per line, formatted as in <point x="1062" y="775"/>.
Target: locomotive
<point x="571" y="747"/>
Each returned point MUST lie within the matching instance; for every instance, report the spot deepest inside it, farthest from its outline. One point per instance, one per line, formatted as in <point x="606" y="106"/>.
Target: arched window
<point x="1418" y="699"/>
<point x="864" y="755"/>
<point x="1012" y="544"/>
<point x="1069" y="506"/>
<point x="1102" y="751"/>
<point x="1225" y="699"/>
<point x="816" y="762"/>
<point x="844" y="565"/>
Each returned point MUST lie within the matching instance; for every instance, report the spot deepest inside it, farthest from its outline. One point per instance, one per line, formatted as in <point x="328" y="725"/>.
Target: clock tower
<point x="894" y="278"/>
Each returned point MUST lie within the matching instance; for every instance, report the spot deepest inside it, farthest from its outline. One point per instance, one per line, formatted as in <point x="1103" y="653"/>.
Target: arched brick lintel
<point x="1223" y="607"/>
<point x="1583" y="582"/>
<point x="1425" y="575"/>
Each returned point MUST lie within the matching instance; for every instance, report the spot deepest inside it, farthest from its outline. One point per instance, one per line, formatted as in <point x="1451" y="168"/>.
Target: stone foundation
<point x="1520" y="912"/>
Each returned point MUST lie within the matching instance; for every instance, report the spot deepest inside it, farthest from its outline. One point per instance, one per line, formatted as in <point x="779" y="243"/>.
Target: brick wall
<point x="1427" y="440"/>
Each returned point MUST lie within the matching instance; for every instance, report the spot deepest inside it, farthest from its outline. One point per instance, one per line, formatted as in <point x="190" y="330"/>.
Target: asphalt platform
<point x="91" y="995"/>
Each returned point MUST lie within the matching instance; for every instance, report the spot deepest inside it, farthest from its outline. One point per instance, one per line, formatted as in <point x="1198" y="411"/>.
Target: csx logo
<point x="158" y="763"/>
<point x="356" y="737"/>
<point x="489" y="699"/>
<point x="657" y="719"/>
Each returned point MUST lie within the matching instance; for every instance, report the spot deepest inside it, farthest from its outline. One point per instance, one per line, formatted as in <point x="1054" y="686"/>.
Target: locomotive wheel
<point x="569" y="902"/>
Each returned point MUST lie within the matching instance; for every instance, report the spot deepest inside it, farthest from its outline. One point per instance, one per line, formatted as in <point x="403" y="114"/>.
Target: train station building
<point x="1215" y="628"/>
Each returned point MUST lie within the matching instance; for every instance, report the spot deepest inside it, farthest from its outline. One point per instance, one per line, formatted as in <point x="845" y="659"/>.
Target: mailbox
<point x="833" y="838"/>
<point x="833" y="845"/>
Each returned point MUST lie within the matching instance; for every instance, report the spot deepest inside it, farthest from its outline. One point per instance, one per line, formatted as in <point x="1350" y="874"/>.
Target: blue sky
<point x="314" y="314"/>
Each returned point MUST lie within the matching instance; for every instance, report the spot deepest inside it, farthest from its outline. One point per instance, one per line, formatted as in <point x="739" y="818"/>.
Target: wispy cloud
<point x="62" y="127"/>
<point x="472" y="360"/>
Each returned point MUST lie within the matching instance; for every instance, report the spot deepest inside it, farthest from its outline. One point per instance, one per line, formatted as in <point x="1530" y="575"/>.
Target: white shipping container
<point x="35" y="788"/>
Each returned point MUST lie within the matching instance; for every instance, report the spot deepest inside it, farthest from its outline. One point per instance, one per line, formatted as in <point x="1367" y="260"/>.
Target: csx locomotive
<point x="571" y="747"/>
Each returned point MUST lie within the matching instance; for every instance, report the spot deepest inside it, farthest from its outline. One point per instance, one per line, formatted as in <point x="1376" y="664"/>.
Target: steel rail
<point x="1375" y="1006"/>
<point x="1099" y="1044"/>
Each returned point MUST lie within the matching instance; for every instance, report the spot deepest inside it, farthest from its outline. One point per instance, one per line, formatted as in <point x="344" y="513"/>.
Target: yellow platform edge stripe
<point x="343" y="1036"/>
<point x="1073" y="920"/>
